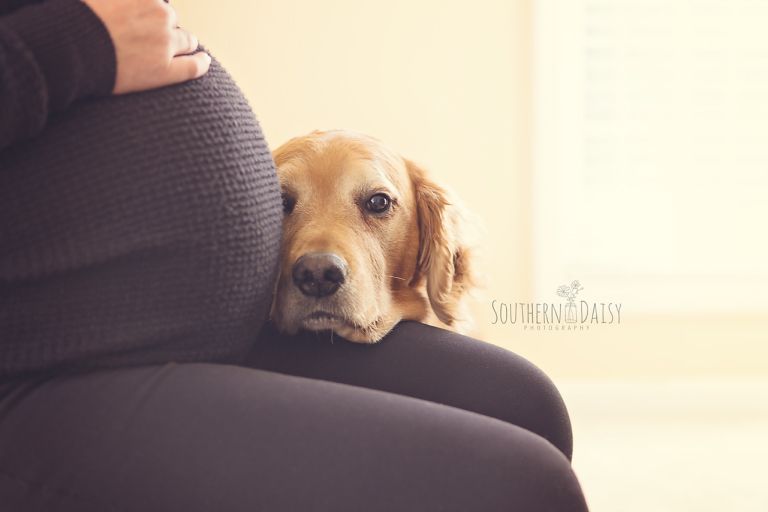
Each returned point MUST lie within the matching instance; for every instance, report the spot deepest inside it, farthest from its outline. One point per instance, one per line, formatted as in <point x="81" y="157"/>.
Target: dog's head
<point x="369" y="240"/>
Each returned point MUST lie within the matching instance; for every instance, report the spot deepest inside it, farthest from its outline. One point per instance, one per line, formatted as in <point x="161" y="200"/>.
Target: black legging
<point x="394" y="432"/>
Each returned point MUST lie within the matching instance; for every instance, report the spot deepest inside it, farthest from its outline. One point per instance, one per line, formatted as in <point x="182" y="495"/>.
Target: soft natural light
<point x="651" y="161"/>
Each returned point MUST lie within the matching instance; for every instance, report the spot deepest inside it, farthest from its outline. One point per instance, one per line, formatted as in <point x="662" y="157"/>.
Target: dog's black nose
<point x="318" y="274"/>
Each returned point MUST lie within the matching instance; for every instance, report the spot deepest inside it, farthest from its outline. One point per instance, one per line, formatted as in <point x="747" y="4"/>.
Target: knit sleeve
<point x="51" y="54"/>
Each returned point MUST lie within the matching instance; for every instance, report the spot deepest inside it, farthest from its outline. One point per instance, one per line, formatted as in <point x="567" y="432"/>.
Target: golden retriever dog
<point x="368" y="240"/>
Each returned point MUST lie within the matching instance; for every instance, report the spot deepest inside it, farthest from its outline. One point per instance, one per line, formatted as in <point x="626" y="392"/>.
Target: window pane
<point x="651" y="160"/>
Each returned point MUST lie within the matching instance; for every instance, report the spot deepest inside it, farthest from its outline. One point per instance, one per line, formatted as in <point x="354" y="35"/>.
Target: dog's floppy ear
<point x="444" y="257"/>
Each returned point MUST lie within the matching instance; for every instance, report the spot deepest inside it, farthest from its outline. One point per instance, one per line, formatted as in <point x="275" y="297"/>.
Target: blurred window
<point x="651" y="152"/>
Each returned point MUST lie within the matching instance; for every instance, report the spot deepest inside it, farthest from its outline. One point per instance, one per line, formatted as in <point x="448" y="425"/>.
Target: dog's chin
<point x="359" y="335"/>
<point x="323" y="321"/>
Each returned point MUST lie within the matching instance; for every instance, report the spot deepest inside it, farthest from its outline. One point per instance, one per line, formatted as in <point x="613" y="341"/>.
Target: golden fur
<point x="410" y="264"/>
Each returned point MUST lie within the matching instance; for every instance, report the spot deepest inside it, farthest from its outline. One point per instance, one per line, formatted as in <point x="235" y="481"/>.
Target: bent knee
<point x="536" y="474"/>
<point x="542" y="407"/>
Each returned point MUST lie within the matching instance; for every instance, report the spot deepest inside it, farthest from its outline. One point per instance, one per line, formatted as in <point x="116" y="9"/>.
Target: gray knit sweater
<point x="134" y="229"/>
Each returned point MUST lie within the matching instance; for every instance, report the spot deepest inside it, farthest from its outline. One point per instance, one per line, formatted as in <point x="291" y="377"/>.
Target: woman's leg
<point x="433" y="364"/>
<point x="205" y="437"/>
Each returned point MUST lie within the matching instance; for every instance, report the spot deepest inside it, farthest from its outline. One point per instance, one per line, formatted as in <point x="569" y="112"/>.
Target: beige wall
<point x="449" y="85"/>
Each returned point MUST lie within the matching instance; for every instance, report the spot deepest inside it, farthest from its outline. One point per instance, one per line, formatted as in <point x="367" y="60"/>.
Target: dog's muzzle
<point x="319" y="274"/>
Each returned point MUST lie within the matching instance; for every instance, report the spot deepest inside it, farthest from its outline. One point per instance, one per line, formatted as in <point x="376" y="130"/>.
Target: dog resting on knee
<point x="368" y="240"/>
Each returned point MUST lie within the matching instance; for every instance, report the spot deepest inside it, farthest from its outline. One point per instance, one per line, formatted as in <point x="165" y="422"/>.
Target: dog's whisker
<point x="397" y="277"/>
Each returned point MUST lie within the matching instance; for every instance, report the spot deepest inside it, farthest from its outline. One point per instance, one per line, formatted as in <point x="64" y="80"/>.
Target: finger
<point x="188" y="67"/>
<point x="182" y="42"/>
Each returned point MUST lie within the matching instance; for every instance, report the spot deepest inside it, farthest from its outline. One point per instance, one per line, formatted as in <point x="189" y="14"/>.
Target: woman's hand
<point x="151" y="50"/>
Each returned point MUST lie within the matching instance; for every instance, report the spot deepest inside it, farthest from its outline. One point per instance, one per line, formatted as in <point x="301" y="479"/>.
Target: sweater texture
<point x="134" y="229"/>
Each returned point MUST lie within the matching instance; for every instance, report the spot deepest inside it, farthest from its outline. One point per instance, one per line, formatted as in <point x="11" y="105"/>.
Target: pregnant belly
<point x="138" y="228"/>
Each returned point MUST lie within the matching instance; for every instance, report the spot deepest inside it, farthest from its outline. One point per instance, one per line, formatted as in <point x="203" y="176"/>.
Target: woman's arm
<point x="56" y="52"/>
<point x="50" y="55"/>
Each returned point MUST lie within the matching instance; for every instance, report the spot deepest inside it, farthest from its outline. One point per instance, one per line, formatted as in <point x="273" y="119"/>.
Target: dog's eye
<point x="378" y="203"/>
<point x="288" y="203"/>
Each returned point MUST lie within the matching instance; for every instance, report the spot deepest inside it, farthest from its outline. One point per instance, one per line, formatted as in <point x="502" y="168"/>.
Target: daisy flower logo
<point x="570" y="292"/>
